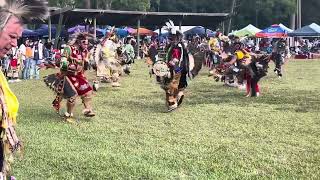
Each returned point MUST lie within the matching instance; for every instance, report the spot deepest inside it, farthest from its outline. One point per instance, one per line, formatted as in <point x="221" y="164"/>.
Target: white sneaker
<point x="242" y="87"/>
<point x="95" y="86"/>
<point x="172" y="107"/>
<point x="68" y="115"/>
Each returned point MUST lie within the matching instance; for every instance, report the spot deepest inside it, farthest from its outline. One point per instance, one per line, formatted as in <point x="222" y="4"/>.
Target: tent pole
<point x="160" y="27"/>
<point x="49" y="28"/>
<point x="95" y="27"/>
<point x="138" y="39"/>
<point x="58" y="31"/>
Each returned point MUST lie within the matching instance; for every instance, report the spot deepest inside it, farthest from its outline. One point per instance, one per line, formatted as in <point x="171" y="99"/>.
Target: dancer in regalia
<point x="279" y="52"/>
<point x="13" y="14"/>
<point x="71" y="83"/>
<point x="175" y="79"/>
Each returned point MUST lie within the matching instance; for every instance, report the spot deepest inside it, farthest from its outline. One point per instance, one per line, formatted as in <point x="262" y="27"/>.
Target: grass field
<point x="216" y="134"/>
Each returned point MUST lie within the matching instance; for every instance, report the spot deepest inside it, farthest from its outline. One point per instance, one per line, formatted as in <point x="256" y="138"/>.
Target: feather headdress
<point x="80" y="36"/>
<point x="25" y="10"/>
<point x="171" y="28"/>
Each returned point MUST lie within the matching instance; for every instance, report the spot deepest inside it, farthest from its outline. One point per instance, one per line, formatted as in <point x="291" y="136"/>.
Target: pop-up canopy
<point x="312" y="30"/>
<point x="249" y="30"/>
<point x="275" y="31"/>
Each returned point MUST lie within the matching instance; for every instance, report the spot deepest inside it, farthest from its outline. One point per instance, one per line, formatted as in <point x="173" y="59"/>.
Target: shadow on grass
<point x="137" y="105"/>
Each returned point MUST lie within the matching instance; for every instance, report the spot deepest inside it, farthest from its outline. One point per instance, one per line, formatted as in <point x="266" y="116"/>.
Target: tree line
<point x="260" y="13"/>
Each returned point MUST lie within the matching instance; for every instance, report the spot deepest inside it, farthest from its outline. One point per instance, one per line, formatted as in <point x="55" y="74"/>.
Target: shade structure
<point x="312" y="30"/>
<point x="275" y="31"/>
<point x="28" y="33"/>
<point x="249" y="30"/>
<point x="76" y="16"/>
<point x="144" y="32"/>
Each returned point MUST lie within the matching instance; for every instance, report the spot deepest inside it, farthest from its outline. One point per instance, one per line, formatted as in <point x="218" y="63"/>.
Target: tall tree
<point x="133" y="5"/>
<point x="154" y="5"/>
<point x="87" y="4"/>
<point x="258" y="12"/>
<point x="310" y="12"/>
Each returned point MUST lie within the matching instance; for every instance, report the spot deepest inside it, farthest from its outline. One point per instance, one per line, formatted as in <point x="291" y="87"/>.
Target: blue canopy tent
<point x="198" y="30"/>
<point x="77" y="28"/>
<point x="312" y="30"/>
<point x="122" y="32"/>
<point x="211" y="33"/>
<point x="28" y="33"/>
<point x="99" y="32"/>
<point x="44" y="31"/>
<point x="275" y="31"/>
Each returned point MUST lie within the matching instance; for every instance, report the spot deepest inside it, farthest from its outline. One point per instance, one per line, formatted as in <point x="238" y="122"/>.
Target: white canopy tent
<point x="183" y="29"/>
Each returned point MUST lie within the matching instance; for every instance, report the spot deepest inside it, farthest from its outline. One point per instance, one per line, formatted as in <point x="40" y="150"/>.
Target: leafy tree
<point x="132" y="5"/>
<point x="310" y="12"/>
<point x="154" y="5"/>
<point x="261" y="13"/>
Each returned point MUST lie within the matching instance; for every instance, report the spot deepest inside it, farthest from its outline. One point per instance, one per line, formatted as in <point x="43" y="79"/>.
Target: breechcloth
<point x="172" y="90"/>
<point x="69" y="87"/>
<point x="252" y="85"/>
<point x="80" y="83"/>
<point x="115" y="70"/>
<point x="102" y="70"/>
<point x="176" y="85"/>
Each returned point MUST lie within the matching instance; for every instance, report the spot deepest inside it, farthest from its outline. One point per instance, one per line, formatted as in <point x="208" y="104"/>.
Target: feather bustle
<point x="26" y="9"/>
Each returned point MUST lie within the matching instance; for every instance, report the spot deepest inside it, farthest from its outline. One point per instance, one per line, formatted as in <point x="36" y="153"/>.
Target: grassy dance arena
<point x="216" y="134"/>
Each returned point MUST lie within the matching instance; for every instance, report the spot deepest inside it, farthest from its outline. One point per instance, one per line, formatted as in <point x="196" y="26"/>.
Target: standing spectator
<point x="47" y="51"/>
<point x="22" y="51"/>
<point x="27" y="61"/>
<point x="37" y="54"/>
<point x="5" y="64"/>
<point x="13" y="72"/>
<point x="153" y="52"/>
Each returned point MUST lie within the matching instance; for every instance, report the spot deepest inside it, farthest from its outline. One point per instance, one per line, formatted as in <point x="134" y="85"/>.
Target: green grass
<point x="216" y="134"/>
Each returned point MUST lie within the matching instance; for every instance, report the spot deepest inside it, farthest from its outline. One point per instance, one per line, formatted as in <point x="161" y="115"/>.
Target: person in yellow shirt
<point x="214" y="54"/>
<point x="242" y="66"/>
<point x="239" y="62"/>
<point x="241" y="56"/>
